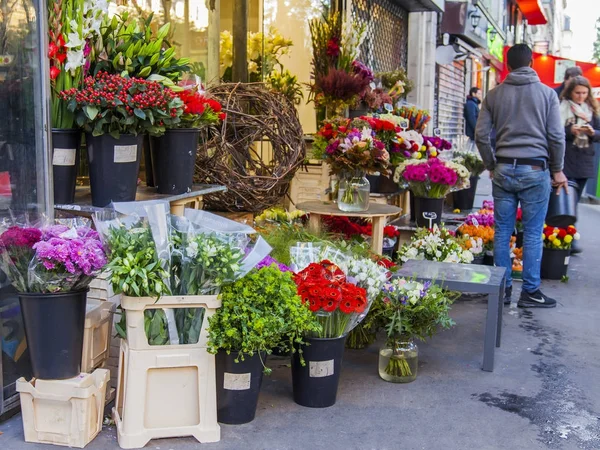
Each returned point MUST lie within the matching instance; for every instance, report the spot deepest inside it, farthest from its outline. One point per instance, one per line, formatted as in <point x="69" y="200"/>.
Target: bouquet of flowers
<point x="482" y="218"/>
<point x="50" y="259"/>
<point x="112" y="104"/>
<point x="438" y="244"/>
<point x="411" y="309"/>
<point x="484" y="233"/>
<point x="473" y="244"/>
<point x="471" y="160"/>
<point x="432" y="178"/>
<point x="417" y="118"/>
<point x="559" y="238"/>
<point x="198" y="110"/>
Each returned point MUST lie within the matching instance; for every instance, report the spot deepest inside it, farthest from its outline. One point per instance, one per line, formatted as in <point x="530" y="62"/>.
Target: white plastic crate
<point x="97" y="334"/>
<point x="63" y="412"/>
<point x="165" y="390"/>
<point x="101" y="288"/>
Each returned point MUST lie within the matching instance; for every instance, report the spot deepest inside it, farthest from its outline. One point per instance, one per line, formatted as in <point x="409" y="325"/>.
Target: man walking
<point x="530" y="144"/>
<point x="571" y="72"/>
<point x="471" y="113"/>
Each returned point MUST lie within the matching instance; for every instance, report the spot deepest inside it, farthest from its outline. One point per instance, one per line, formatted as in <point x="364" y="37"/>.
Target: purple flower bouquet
<point x="431" y="178"/>
<point x="51" y="259"/>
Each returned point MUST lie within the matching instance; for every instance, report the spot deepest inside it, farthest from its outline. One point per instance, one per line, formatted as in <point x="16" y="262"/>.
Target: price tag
<point x="125" y="154"/>
<point x="404" y="124"/>
<point x="567" y="259"/>
<point x="437" y="132"/>
<point x="237" y="381"/>
<point x="475" y="223"/>
<point x="388" y="107"/>
<point x="64" y="157"/>
<point x="430" y="216"/>
<point x="320" y="369"/>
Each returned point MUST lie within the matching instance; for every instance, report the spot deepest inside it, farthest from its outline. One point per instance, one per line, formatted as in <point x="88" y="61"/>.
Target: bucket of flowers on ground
<point x="557" y="250"/>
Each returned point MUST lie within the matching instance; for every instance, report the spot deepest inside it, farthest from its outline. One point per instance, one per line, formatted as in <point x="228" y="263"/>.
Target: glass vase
<point x="353" y="192"/>
<point x="398" y="360"/>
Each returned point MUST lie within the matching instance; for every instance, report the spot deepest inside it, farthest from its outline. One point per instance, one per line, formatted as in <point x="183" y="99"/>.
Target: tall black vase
<point x="148" y="169"/>
<point x="174" y="159"/>
<point x="114" y="167"/>
<point x="555" y="263"/>
<point x="54" y="325"/>
<point x="66" y="146"/>
<point x="316" y="383"/>
<point x="428" y="211"/>
<point x="238" y="386"/>
<point x="465" y="198"/>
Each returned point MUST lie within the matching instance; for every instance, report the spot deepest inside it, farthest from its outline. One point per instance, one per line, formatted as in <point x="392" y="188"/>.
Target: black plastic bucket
<point x="238" y="387"/>
<point x="488" y="258"/>
<point x="428" y="207"/>
<point x="54" y="325"/>
<point x="174" y="159"/>
<point x="148" y="169"/>
<point x="66" y="146"/>
<point x="316" y="383"/>
<point x="555" y="263"/>
<point x="465" y="198"/>
<point x="374" y="183"/>
<point x="479" y="259"/>
<point x="562" y="207"/>
<point x="114" y="167"/>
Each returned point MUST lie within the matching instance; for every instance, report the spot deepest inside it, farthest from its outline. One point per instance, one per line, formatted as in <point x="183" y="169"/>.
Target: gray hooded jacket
<point x="525" y="114"/>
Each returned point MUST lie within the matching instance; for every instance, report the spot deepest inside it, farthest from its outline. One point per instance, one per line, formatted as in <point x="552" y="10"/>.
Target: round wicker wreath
<point x="256" y="179"/>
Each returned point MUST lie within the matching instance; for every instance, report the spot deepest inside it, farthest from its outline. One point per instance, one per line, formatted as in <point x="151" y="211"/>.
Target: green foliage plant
<point x="260" y="312"/>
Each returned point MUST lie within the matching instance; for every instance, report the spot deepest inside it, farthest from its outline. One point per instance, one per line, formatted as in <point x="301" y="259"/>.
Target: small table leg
<point x="377" y="235"/>
<point x="177" y="209"/>
<point x="314" y="222"/>
<point x="500" y="312"/>
<point x="491" y="330"/>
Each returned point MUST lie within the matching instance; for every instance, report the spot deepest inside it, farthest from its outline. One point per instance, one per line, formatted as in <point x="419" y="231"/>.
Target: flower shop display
<point x="430" y="181"/>
<point x="51" y="267"/>
<point x="352" y="152"/>
<point x="339" y="79"/>
<point x="465" y="198"/>
<point x="259" y="312"/>
<point x="173" y="153"/>
<point x="410" y="310"/>
<point x="114" y="111"/>
<point x="557" y="249"/>
<point x="438" y="244"/>
<point x="73" y="28"/>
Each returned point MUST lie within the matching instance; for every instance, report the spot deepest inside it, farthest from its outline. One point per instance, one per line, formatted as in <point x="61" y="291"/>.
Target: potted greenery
<point x="409" y="310"/>
<point x="174" y="153"/>
<point x="73" y="28"/>
<point x="259" y="312"/>
<point x="115" y="112"/>
<point x="51" y="268"/>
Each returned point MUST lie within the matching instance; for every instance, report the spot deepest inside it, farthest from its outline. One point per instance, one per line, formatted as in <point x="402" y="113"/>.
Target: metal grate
<point x="386" y="41"/>
<point x="450" y="100"/>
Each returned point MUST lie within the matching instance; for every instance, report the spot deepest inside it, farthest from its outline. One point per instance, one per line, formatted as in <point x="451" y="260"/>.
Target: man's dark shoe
<point x="507" y="295"/>
<point x="535" y="300"/>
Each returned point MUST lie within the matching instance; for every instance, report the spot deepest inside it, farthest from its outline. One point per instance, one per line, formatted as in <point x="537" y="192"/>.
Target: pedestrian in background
<point x="579" y="112"/>
<point x="471" y="113"/>
<point x="571" y="72"/>
<point x="530" y="144"/>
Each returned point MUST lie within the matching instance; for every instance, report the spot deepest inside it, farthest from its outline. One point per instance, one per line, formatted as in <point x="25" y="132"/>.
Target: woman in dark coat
<point x="580" y="113"/>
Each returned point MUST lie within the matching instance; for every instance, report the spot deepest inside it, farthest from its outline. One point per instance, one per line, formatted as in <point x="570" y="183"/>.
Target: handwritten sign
<point x="125" y="154"/>
<point x="320" y="369"/>
<point x="64" y="157"/>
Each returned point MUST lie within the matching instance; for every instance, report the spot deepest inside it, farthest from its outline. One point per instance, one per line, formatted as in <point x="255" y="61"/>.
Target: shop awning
<point x="422" y="5"/>
<point x="533" y="11"/>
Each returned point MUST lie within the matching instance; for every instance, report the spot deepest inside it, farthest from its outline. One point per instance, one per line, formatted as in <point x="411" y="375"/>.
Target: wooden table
<point x="83" y="199"/>
<point x="377" y="213"/>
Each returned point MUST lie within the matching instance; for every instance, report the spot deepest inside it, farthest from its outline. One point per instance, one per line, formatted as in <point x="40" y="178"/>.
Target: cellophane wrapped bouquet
<point x="438" y="244"/>
<point x="49" y="256"/>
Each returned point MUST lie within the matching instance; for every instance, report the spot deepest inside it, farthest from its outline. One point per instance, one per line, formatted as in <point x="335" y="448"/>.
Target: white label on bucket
<point x="63" y="157"/>
<point x="567" y="259"/>
<point x="125" y="153"/>
<point x="236" y="381"/>
<point x="320" y="369"/>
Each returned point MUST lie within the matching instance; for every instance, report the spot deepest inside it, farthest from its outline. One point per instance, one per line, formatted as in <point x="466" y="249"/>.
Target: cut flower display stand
<point x="165" y="390"/>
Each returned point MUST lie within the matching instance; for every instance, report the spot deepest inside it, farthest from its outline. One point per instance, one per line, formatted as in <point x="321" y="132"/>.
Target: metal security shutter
<point x="450" y="100"/>
<point x="386" y="40"/>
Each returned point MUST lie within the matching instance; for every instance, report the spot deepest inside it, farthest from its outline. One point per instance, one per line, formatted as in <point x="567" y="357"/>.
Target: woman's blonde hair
<point x="581" y="81"/>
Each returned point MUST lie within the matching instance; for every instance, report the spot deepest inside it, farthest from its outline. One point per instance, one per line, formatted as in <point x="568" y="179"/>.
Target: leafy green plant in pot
<point x="174" y="153"/>
<point x="115" y="111"/>
<point x="259" y="312"/>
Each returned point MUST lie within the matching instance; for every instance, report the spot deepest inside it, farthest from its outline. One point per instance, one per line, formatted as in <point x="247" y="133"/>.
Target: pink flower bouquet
<point x="55" y="258"/>
<point x="431" y="178"/>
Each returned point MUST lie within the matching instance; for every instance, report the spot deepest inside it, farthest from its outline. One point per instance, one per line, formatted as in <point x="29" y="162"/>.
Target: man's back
<point x="526" y="117"/>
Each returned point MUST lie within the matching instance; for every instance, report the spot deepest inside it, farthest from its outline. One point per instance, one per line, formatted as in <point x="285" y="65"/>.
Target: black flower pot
<point x="465" y="198"/>
<point x="66" y="146"/>
<point x="361" y="110"/>
<point x="519" y="242"/>
<point x="316" y="383"/>
<point x="148" y="169"/>
<point x="555" y="263"/>
<point x="174" y="159"/>
<point x="488" y="258"/>
<point x="238" y="386"/>
<point x="374" y="183"/>
<point x="428" y="211"/>
<point x="114" y="167"/>
<point x="479" y="260"/>
<point x="562" y="207"/>
<point x="54" y="325"/>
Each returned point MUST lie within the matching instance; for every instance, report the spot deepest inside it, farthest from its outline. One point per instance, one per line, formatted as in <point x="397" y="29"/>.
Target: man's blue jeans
<point x="530" y="187"/>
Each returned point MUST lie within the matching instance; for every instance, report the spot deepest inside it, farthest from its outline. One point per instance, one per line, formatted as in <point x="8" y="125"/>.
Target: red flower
<point x="562" y="233"/>
<point x="52" y="50"/>
<point x="347" y="306"/>
<point x="54" y="72"/>
<point x="387" y="125"/>
<point x="314" y="304"/>
<point x="333" y="47"/>
<point x="222" y="116"/>
<point x="61" y="57"/>
<point x="519" y="214"/>
<point x="329" y="305"/>
<point x="214" y="105"/>
<point x="342" y="129"/>
<point x="332" y="293"/>
<point x="571" y="230"/>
